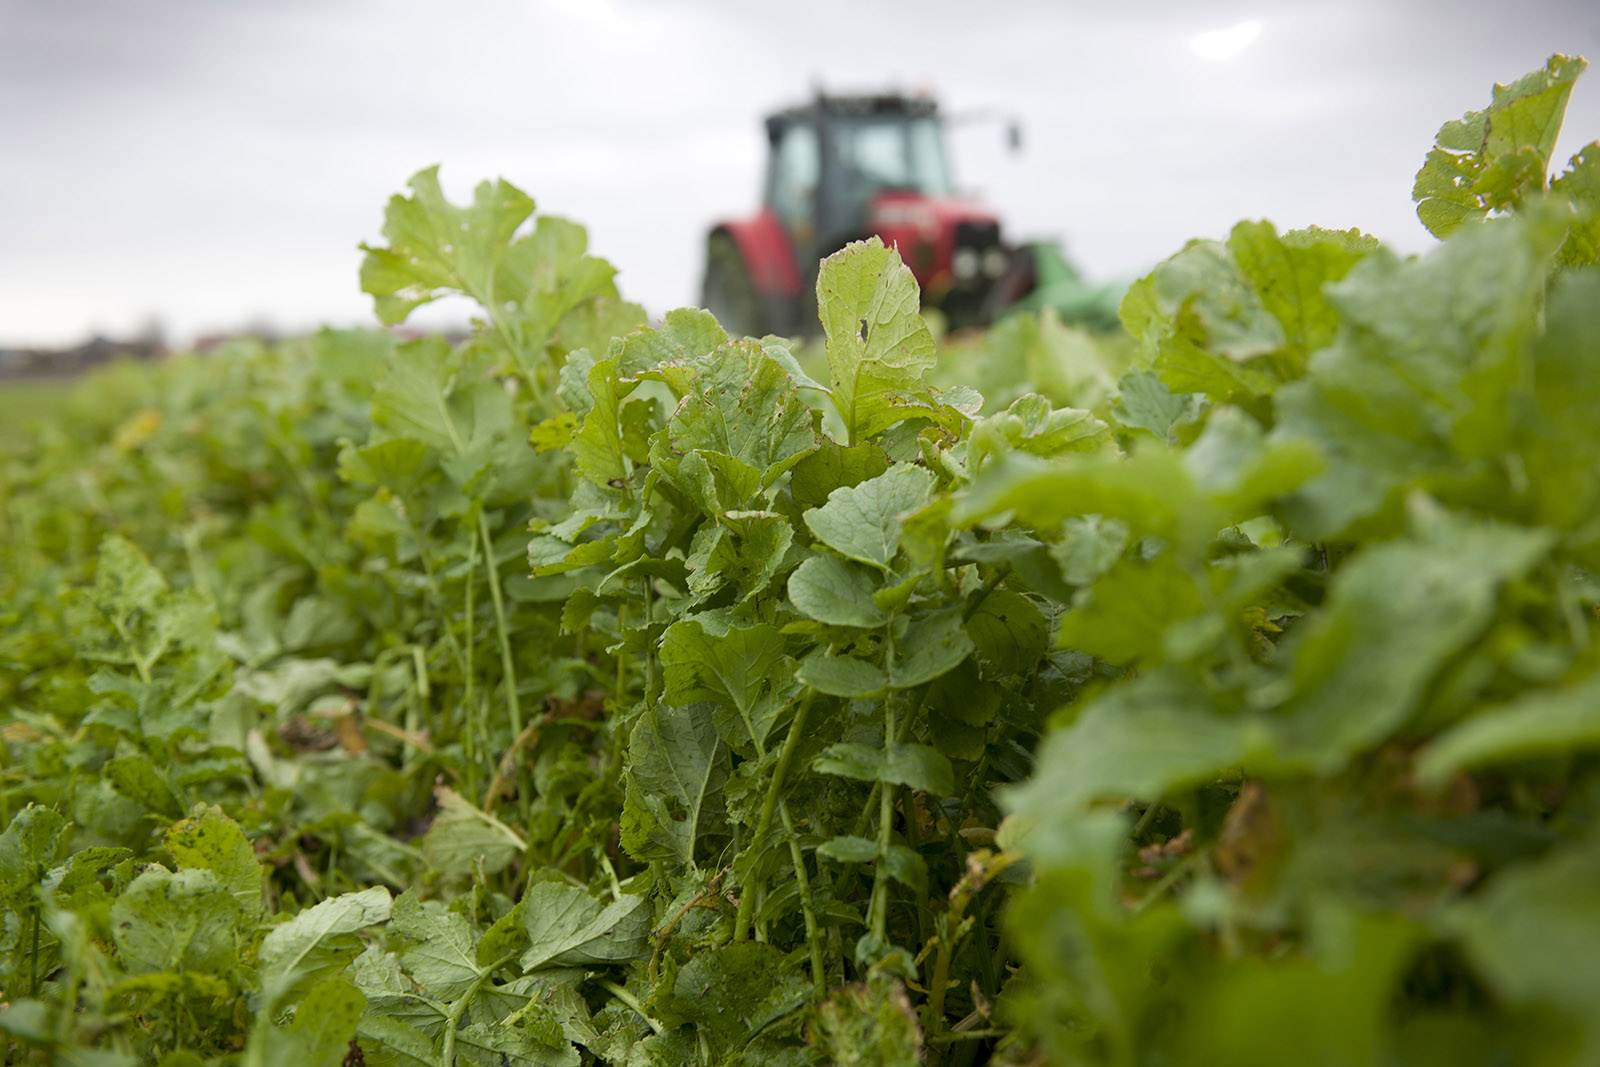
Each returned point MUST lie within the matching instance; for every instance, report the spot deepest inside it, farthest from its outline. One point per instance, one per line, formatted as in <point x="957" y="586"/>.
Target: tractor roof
<point x="847" y="105"/>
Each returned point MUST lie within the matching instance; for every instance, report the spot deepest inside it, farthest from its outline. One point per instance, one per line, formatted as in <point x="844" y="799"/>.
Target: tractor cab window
<point x="875" y="154"/>
<point x="792" y="184"/>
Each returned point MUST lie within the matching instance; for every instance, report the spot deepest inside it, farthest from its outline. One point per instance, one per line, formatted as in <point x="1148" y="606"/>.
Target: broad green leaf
<point x="1145" y="403"/>
<point x="495" y="1045"/>
<point x="746" y="554"/>
<point x="834" y="466"/>
<point x="1493" y="159"/>
<point x="124" y="580"/>
<point x="461" y="836"/>
<point x="184" y="921"/>
<point x="917" y="766"/>
<point x="211" y="841"/>
<point x="1334" y="997"/>
<point x="28" y="848"/>
<point x="401" y="1043"/>
<point x="435" y="247"/>
<point x="1540" y="723"/>
<point x="316" y="944"/>
<point x="835" y="591"/>
<point x="685" y="339"/>
<point x="137" y="779"/>
<point x="1031" y="425"/>
<point x="878" y="345"/>
<point x="734" y="992"/>
<point x="870" y="1024"/>
<point x="1125" y="613"/>
<point x="398" y="464"/>
<point x="1140" y="739"/>
<point x="907" y="867"/>
<point x="441" y="954"/>
<point x="926" y="647"/>
<point x="742" y="669"/>
<point x="412" y="398"/>
<point x="319" y="1035"/>
<point x="1557" y="437"/>
<point x="1009" y="633"/>
<point x="1418" y="390"/>
<point x="849" y="849"/>
<point x="1394" y="615"/>
<point x="31" y="1020"/>
<point x="572" y="387"/>
<point x="842" y="676"/>
<point x="743" y="405"/>
<point x="528" y="282"/>
<point x="1580" y="183"/>
<point x="569" y="928"/>
<point x="1289" y="272"/>
<point x="1530" y="933"/>
<point x="863" y="521"/>
<point x="1088" y="547"/>
<point x="1232" y="321"/>
<point x="676" y="766"/>
<point x="597" y="447"/>
<point x="1147" y="491"/>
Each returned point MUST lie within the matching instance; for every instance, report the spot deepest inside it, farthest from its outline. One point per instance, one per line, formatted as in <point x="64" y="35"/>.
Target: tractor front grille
<point x="980" y="236"/>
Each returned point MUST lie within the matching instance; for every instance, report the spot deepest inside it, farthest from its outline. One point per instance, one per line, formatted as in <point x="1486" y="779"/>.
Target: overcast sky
<point x="211" y="163"/>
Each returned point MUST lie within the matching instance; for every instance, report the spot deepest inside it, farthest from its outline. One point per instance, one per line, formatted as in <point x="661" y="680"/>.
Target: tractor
<point x="843" y="168"/>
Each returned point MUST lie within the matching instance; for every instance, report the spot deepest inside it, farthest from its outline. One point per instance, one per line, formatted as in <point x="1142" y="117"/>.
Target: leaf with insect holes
<point x="441" y="946"/>
<point x="211" y="841"/>
<point x="878" y="345"/>
<point x="1493" y="159"/>
<point x="742" y="671"/>
<point x="743" y="405"/>
<point x="676" y="766"/>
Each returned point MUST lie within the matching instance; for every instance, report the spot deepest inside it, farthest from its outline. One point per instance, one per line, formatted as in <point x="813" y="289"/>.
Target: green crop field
<point x="24" y="402"/>
<point x="592" y="691"/>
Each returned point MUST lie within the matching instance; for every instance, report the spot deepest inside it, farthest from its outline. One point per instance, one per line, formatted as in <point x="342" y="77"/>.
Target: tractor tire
<point x="728" y="291"/>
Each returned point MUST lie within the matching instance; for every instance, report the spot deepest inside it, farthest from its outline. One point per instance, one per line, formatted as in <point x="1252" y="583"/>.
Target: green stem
<point x="432" y="578"/>
<point x="469" y="703"/>
<point x="880" y="877"/>
<point x="819" y="978"/>
<point x="33" y="956"/>
<point x="1170" y="879"/>
<point x="453" y="1019"/>
<point x="508" y="667"/>
<point x="633" y="1002"/>
<point x="989" y="586"/>
<point x="649" y="661"/>
<point x="503" y="631"/>
<point x="769" y="805"/>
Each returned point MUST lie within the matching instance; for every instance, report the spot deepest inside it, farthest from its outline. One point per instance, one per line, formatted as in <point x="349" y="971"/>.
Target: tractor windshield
<point x="893" y="152"/>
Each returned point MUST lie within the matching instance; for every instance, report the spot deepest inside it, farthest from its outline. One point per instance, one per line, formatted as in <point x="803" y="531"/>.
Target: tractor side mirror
<point x="1014" y="136"/>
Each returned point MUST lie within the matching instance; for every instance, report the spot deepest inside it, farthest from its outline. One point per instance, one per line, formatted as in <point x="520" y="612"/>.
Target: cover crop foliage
<point x="594" y="692"/>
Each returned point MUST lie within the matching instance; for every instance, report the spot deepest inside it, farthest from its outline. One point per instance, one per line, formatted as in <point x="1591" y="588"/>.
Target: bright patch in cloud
<point x="1220" y="45"/>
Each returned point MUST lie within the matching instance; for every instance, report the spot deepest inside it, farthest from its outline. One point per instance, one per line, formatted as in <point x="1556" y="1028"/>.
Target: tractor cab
<point x="840" y="169"/>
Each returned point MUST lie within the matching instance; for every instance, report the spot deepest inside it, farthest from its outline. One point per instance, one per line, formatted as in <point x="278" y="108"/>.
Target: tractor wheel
<point x="728" y="292"/>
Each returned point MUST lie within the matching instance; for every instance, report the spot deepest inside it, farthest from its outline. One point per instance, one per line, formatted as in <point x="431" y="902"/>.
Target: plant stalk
<point x="769" y="805"/>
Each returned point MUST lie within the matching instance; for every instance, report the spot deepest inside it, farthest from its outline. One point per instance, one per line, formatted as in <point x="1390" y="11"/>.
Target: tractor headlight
<point x="994" y="263"/>
<point x="964" y="263"/>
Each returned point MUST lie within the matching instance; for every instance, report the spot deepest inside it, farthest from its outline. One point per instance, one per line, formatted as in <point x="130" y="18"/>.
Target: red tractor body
<point x="843" y="168"/>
